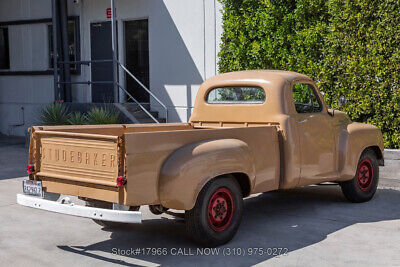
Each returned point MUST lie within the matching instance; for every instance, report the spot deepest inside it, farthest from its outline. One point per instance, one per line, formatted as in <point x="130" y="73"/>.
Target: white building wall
<point x="183" y="42"/>
<point x="22" y="96"/>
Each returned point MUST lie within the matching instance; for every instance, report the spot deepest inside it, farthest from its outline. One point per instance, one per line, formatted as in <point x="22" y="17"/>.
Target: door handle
<point x="302" y="121"/>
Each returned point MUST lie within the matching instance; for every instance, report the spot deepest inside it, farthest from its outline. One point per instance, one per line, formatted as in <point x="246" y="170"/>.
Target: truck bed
<point x="85" y="161"/>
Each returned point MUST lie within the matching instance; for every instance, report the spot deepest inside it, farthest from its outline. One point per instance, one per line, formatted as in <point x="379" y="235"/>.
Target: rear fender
<point x="189" y="168"/>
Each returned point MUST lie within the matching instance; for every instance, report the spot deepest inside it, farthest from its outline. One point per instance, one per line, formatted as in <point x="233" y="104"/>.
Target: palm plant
<point x="54" y="114"/>
<point x="102" y="115"/>
<point x="77" y="118"/>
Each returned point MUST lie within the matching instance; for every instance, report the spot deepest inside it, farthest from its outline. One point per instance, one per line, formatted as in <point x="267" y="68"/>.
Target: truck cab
<point x="317" y="144"/>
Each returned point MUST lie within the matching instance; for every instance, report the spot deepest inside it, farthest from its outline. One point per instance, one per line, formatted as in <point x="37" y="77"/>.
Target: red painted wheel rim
<point x="220" y="209"/>
<point x="365" y="174"/>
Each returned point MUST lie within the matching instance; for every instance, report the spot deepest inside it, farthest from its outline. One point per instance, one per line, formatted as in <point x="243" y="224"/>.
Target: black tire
<point x="107" y="205"/>
<point x="361" y="188"/>
<point x="199" y="222"/>
<point x="157" y="209"/>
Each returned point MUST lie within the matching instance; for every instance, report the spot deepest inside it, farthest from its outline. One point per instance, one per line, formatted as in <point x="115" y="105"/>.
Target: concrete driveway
<point x="315" y="225"/>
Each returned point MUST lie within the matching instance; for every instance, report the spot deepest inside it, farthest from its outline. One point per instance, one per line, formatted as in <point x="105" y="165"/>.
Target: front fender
<point x="353" y="140"/>
<point x="189" y="168"/>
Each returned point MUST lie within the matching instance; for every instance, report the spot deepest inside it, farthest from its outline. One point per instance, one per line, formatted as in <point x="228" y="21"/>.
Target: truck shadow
<point x="291" y="219"/>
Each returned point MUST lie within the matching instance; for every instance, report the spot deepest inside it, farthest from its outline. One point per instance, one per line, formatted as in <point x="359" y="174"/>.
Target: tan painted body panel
<point x="271" y="144"/>
<point x="178" y="163"/>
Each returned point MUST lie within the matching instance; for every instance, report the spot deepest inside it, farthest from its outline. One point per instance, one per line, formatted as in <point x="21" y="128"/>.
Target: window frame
<point x="233" y="103"/>
<point x="314" y="90"/>
<point x="7" y="48"/>
<point x="75" y="68"/>
<point x="77" y="71"/>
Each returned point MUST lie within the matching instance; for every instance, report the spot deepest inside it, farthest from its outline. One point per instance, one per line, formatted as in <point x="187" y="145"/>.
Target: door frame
<point x="90" y="94"/>
<point x="300" y="118"/>
<point x="122" y="50"/>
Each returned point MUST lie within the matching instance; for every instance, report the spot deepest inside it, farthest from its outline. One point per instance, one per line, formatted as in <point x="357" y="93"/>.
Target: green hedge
<point x="350" y="48"/>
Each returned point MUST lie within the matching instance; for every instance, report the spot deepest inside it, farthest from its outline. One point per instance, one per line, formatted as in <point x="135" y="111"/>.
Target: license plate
<point x="33" y="188"/>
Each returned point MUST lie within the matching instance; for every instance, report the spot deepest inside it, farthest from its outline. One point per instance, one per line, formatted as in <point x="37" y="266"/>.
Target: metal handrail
<point x="88" y="62"/>
<point x="137" y="102"/>
<point x="145" y="88"/>
<point x="85" y="62"/>
<point x="114" y="60"/>
<point x="87" y="82"/>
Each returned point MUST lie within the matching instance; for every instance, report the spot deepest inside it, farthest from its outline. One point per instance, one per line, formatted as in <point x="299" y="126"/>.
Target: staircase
<point x="135" y="113"/>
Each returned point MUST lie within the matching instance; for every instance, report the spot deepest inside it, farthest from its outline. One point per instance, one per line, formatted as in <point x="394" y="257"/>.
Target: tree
<point x="350" y="48"/>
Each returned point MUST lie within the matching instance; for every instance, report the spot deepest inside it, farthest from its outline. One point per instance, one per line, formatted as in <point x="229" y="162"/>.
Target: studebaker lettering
<point x="71" y="156"/>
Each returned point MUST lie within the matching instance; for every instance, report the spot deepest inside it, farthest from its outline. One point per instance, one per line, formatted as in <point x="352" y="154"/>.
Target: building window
<point x="73" y="43"/>
<point x="4" y="49"/>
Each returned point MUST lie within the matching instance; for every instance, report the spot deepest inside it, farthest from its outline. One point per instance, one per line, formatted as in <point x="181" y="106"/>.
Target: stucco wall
<point x="183" y="43"/>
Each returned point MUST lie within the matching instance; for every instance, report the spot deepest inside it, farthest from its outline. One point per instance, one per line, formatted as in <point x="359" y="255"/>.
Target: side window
<point x="305" y="99"/>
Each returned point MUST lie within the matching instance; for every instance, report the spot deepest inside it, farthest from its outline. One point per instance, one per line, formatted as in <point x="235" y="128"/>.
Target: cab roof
<point x="272" y="81"/>
<point x="266" y="75"/>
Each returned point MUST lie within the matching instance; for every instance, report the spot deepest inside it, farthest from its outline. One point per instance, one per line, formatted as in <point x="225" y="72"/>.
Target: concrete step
<point x="138" y="115"/>
<point x="132" y="107"/>
<point x="149" y="120"/>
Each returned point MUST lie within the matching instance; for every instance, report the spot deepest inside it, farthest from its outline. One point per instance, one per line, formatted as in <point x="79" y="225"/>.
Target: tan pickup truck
<point x="250" y="132"/>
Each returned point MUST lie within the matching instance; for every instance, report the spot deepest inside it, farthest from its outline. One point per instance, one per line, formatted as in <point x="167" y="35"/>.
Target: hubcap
<point x="220" y="209"/>
<point x="365" y="174"/>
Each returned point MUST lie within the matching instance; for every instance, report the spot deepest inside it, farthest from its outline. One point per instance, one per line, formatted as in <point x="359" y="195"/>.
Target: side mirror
<point x="342" y="100"/>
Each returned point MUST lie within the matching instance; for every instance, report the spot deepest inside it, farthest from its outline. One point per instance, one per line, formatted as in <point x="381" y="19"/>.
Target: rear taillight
<point x="30" y="169"/>
<point x="121" y="181"/>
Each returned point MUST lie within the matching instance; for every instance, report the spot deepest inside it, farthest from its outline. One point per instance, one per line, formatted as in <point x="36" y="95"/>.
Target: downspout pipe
<point x="114" y="36"/>
<point x="65" y="48"/>
<point x="57" y="93"/>
<point x="60" y="55"/>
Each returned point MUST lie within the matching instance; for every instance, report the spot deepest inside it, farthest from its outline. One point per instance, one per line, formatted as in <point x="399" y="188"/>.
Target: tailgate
<point x="83" y="159"/>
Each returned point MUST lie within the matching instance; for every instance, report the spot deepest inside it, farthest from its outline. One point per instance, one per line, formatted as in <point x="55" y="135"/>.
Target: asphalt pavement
<point x="309" y="226"/>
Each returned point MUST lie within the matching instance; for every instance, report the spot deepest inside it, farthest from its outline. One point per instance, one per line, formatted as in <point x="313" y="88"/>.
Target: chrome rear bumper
<point x="80" y="211"/>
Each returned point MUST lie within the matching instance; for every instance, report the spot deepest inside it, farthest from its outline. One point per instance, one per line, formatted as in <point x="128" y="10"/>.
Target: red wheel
<point x="220" y="209"/>
<point x="365" y="174"/>
<point x="363" y="186"/>
<point x="216" y="216"/>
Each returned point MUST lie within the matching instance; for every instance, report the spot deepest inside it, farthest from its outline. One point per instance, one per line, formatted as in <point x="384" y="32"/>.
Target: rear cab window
<point x="236" y="95"/>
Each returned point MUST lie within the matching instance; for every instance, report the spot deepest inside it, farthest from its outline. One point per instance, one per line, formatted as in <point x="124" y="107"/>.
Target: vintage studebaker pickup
<point x="250" y="132"/>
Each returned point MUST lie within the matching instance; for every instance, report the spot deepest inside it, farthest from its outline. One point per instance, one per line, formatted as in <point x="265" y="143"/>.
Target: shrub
<point x="102" y="115"/>
<point x="349" y="48"/>
<point x="77" y="118"/>
<point x="54" y="114"/>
